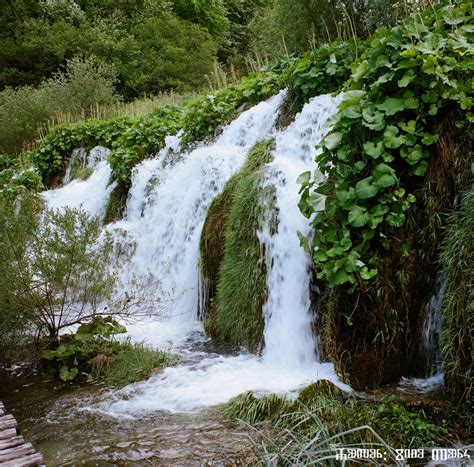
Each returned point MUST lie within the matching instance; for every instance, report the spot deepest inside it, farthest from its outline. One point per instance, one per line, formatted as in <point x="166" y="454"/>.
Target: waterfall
<point x="432" y="330"/>
<point x="431" y="344"/>
<point x="289" y="339"/>
<point x="92" y="194"/>
<point x="165" y="213"/>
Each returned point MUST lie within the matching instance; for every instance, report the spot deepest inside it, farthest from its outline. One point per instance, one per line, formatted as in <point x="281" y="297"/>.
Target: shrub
<point x="84" y="84"/>
<point x="58" y="271"/>
<point x="93" y="352"/>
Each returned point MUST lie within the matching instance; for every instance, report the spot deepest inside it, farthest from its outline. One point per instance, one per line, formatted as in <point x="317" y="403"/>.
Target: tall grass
<point x="457" y="259"/>
<point x="236" y="312"/>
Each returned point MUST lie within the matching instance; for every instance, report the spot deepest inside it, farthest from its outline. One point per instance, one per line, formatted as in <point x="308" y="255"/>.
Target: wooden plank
<point x="7" y="421"/>
<point x="11" y="442"/>
<point x="32" y="460"/>
<point x="16" y="453"/>
<point x="8" y="433"/>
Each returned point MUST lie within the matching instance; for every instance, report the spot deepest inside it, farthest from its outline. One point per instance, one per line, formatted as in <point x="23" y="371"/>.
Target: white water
<point x="289" y="339"/>
<point x="90" y="195"/>
<point x="165" y="214"/>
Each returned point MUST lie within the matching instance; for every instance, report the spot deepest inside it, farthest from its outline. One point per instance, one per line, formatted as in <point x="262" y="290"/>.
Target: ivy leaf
<point x="390" y="138"/>
<point x="351" y="98"/>
<point x="365" y="189"/>
<point x="358" y="216"/>
<point x="360" y="71"/>
<point x="409" y="127"/>
<point x="392" y="105"/>
<point x="304" y="178"/>
<point x="384" y="175"/>
<point x="395" y="220"/>
<point x="420" y="169"/>
<point x="372" y="149"/>
<point x="367" y="274"/>
<point x="332" y="140"/>
<point x="407" y="78"/>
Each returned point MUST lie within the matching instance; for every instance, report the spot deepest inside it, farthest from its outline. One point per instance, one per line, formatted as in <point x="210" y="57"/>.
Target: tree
<point x="56" y="272"/>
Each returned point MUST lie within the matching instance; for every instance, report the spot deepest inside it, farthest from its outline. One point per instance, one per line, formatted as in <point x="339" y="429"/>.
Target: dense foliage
<point x="382" y="137"/>
<point x="457" y="258"/>
<point x="133" y="139"/>
<point x="94" y="354"/>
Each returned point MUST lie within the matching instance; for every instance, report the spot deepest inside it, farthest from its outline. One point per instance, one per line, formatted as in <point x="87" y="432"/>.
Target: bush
<point x="83" y="84"/>
<point x="94" y="353"/>
<point x="57" y="271"/>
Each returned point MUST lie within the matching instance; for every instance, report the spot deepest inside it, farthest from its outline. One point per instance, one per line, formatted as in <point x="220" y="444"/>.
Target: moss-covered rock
<point x="232" y="260"/>
<point x="320" y="388"/>
<point x="116" y="204"/>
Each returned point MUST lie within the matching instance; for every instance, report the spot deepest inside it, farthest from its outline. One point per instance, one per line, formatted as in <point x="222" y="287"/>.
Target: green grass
<point x="456" y="257"/>
<point x="232" y="255"/>
<point x="115" y="204"/>
<point x="324" y="417"/>
<point x="251" y="409"/>
<point x="132" y="363"/>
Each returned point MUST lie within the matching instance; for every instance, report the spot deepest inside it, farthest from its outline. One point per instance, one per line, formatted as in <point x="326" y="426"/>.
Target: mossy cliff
<point x="232" y="261"/>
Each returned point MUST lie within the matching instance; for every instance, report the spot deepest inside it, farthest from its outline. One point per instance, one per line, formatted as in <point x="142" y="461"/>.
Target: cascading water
<point x="431" y="342"/>
<point x="165" y="213"/>
<point x="90" y="195"/>
<point x="289" y="339"/>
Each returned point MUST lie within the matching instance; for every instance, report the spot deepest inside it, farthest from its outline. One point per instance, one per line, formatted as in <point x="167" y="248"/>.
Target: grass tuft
<point x="132" y="363"/>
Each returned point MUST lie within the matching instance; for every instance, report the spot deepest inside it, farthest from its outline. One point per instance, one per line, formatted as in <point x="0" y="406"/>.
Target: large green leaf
<point x="358" y="216"/>
<point x="384" y="175"/>
<point x="365" y="189"/>
<point x="392" y="105"/>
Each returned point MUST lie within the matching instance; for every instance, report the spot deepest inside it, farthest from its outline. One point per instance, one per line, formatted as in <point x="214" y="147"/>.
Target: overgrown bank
<point x="324" y="421"/>
<point x="396" y="161"/>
